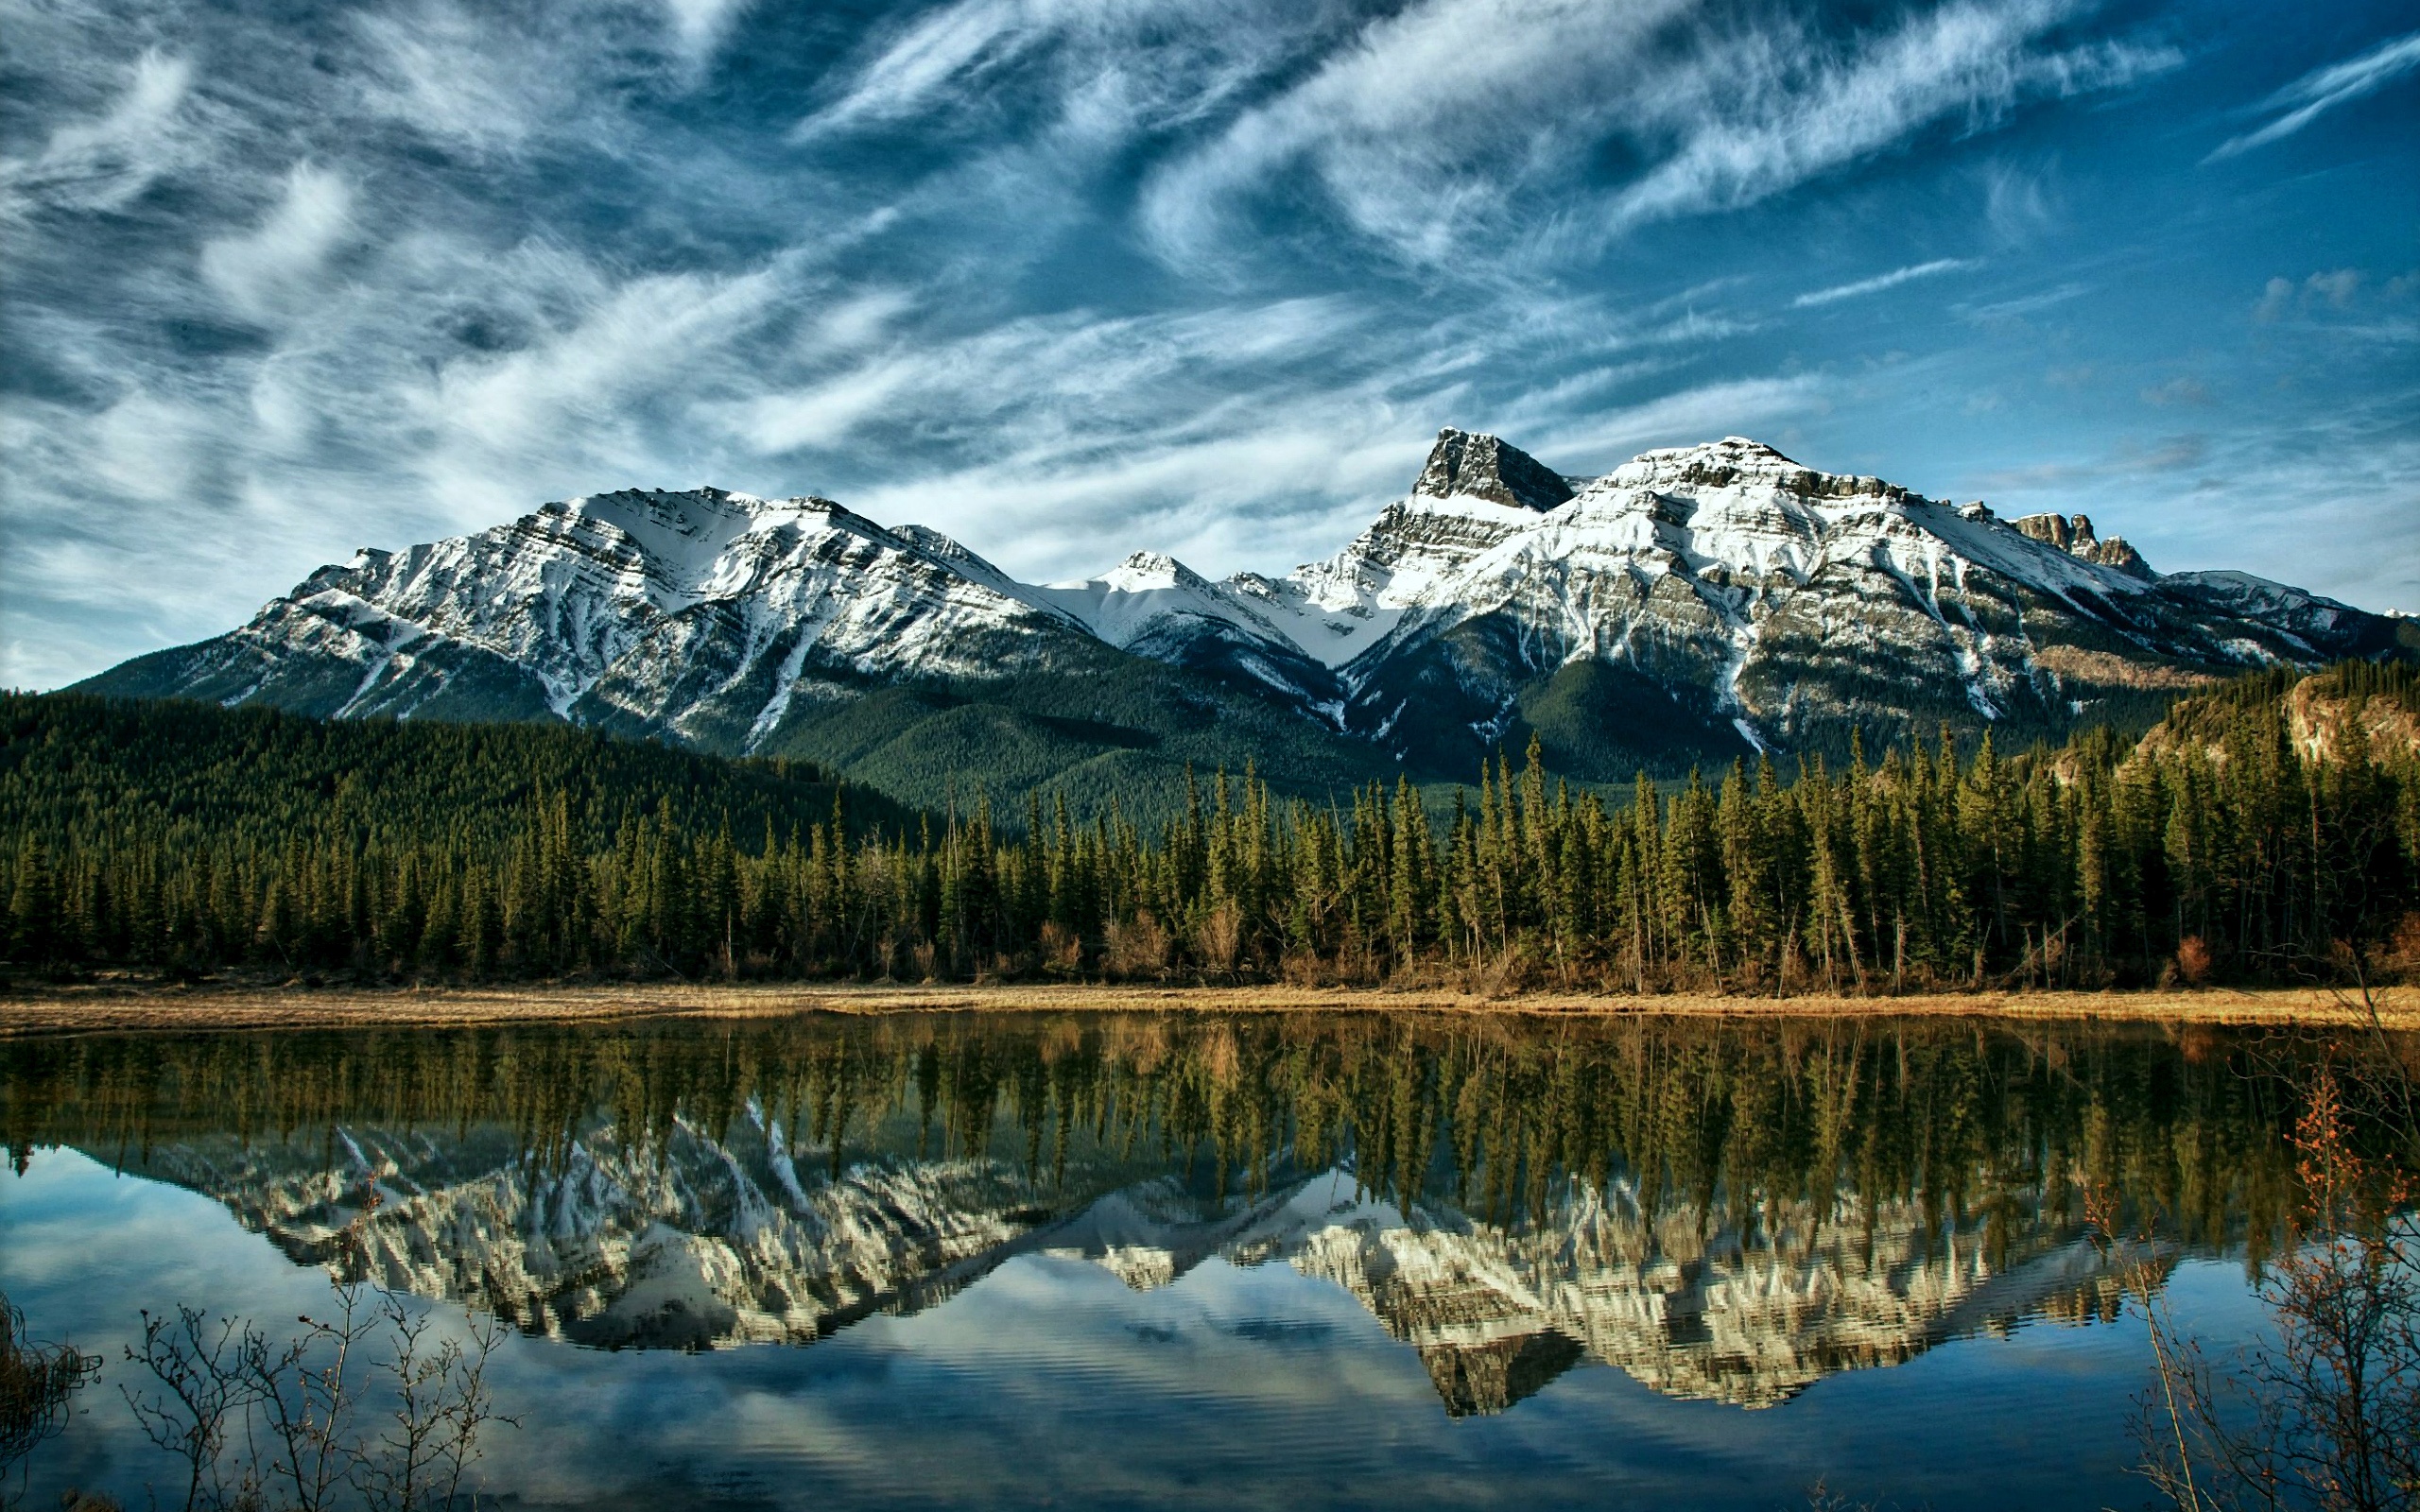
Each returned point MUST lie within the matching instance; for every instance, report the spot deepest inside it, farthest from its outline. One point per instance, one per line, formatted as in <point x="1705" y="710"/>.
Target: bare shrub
<point x="1063" y="949"/>
<point x="1218" y="937"/>
<point x="1504" y="974"/>
<point x="368" y="1406"/>
<point x="2326" y="1413"/>
<point x="1304" y="969"/>
<point x="2403" y="949"/>
<point x="1136" y="947"/>
<point x="2193" y="960"/>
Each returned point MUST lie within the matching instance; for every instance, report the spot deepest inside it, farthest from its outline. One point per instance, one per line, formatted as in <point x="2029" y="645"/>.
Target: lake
<point x="1108" y="1260"/>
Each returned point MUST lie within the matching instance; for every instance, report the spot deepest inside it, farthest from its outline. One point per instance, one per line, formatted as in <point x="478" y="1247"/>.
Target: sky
<point x="1069" y="279"/>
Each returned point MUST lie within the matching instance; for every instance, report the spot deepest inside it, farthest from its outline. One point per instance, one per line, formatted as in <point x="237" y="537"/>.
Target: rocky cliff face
<point x="1693" y="603"/>
<point x="707" y="1242"/>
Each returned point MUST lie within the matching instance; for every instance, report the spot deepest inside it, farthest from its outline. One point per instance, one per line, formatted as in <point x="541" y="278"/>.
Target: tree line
<point x="188" y="839"/>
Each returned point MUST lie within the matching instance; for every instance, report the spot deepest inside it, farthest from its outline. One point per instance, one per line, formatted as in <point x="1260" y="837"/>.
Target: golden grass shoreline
<point x="117" y="1008"/>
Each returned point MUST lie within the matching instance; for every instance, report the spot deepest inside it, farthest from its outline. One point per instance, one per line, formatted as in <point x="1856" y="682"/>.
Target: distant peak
<point x="1155" y="568"/>
<point x="1484" y="467"/>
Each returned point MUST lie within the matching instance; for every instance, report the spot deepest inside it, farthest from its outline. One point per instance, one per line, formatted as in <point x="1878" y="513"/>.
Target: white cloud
<point x="103" y="164"/>
<point x="265" y="272"/>
<point x="2336" y="288"/>
<point x="2281" y="297"/>
<point x="699" y="26"/>
<point x="1774" y="110"/>
<point x="1422" y="128"/>
<point x="2324" y="89"/>
<point x="1109" y="67"/>
<point x="565" y="400"/>
<point x="1884" y="281"/>
<point x="1441" y="119"/>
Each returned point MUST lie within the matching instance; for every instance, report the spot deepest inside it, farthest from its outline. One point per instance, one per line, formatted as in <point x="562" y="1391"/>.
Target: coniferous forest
<point x="2231" y="844"/>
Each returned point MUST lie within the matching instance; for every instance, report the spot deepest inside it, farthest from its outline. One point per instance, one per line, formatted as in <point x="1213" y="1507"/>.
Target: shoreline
<point x="119" y="1010"/>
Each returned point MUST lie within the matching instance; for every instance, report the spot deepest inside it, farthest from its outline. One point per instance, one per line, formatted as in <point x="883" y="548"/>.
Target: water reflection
<point x="1726" y="1212"/>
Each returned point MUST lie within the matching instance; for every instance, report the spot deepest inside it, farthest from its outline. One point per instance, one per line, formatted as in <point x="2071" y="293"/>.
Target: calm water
<point x="1135" y="1260"/>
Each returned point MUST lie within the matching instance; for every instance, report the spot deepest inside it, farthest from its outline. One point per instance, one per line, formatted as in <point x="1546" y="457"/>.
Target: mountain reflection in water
<point x="1724" y="1211"/>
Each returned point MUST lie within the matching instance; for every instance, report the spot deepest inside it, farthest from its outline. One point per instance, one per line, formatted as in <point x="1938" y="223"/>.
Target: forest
<point x="184" y="839"/>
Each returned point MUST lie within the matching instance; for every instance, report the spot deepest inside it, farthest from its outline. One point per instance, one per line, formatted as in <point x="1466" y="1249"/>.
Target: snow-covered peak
<point x="1146" y="571"/>
<point x="1151" y="595"/>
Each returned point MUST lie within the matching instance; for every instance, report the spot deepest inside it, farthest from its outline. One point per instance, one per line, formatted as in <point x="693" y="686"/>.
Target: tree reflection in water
<point x="1724" y="1210"/>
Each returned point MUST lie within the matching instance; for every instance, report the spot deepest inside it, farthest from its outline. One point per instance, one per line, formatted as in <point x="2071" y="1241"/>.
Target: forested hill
<point x="2266" y="832"/>
<point x="84" y="771"/>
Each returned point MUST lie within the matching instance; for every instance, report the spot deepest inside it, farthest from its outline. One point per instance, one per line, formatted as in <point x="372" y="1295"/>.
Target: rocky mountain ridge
<point x="1692" y="605"/>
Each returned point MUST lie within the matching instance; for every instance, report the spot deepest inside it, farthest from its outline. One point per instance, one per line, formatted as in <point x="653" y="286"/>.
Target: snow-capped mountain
<point x="1693" y="603"/>
<point x="701" y="614"/>
<point x="1718" y="598"/>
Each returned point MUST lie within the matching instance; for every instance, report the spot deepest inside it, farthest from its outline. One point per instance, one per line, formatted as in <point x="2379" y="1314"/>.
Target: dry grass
<point x="118" y="1008"/>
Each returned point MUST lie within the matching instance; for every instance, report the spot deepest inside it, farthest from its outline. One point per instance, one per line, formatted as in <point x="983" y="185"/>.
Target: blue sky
<point x="1070" y="278"/>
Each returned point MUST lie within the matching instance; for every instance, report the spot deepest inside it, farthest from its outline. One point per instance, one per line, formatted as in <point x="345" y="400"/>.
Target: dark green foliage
<point x="181" y="834"/>
<point x="176" y="835"/>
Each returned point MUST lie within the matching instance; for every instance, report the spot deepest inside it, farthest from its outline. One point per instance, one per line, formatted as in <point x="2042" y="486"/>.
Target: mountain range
<point x="1692" y="606"/>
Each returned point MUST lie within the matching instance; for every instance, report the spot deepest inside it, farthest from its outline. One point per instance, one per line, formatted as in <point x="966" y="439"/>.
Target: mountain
<point x="1693" y="605"/>
<point x="1705" y="602"/>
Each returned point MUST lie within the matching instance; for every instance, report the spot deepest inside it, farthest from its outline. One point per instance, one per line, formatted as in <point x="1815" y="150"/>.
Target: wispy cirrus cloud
<point x="2322" y="90"/>
<point x="1778" y="107"/>
<point x="1444" y="122"/>
<point x="101" y="162"/>
<point x="1883" y="281"/>
<point x="1061" y="277"/>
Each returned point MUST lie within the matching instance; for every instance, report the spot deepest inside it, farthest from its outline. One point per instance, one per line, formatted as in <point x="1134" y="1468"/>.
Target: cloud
<point x="2338" y="287"/>
<point x="1780" y="109"/>
<point x="2324" y="89"/>
<point x="1105" y="68"/>
<point x="2281" y="297"/>
<point x="1443" y="121"/>
<point x="1884" y="281"/>
<point x="100" y="165"/>
<point x="699" y="26"/>
<point x="264" y="270"/>
<point x="2128" y="459"/>
<point x="2000" y="311"/>
<point x="2177" y="391"/>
